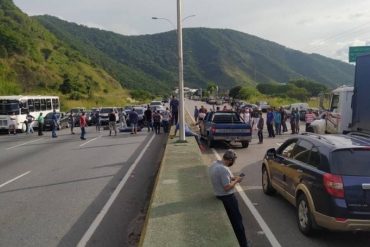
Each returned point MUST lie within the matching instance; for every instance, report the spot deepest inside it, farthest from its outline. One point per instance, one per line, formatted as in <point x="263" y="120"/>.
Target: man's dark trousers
<point x="232" y="210"/>
<point x="175" y="117"/>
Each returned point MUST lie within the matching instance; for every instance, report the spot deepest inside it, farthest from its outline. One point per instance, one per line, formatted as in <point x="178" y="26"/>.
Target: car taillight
<point x="334" y="185"/>
<point x="213" y="130"/>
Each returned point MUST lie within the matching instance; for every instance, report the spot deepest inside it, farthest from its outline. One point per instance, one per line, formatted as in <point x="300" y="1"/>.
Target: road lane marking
<point x="90" y="141"/>
<point x="24" y="144"/>
<point x="88" y="234"/>
<point x="12" y="180"/>
<point x="269" y="235"/>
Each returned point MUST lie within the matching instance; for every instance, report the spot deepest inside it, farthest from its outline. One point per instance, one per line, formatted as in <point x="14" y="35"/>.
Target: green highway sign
<point x="356" y="51"/>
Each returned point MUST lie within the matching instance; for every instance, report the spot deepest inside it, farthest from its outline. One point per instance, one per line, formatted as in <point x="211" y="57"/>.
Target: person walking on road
<point x="40" y="120"/>
<point x="174" y="105"/>
<point x="134" y="119"/>
<point x="166" y="116"/>
<point x="54" y="125"/>
<point x="72" y="121"/>
<point x="260" y="124"/>
<point x="83" y="125"/>
<point x="297" y="119"/>
<point x="196" y="113"/>
<point x="224" y="183"/>
<point x="112" y="123"/>
<point x="30" y="120"/>
<point x="277" y="121"/>
<point x="157" y="122"/>
<point x="292" y="122"/>
<point x="97" y="120"/>
<point x="148" y="118"/>
<point x="270" y="123"/>
<point x="12" y="123"/>
<point x="309" y="117"/>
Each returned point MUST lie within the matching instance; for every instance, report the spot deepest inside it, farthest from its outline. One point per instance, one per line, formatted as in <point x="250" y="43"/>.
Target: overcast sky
<point x="327" y="27"/>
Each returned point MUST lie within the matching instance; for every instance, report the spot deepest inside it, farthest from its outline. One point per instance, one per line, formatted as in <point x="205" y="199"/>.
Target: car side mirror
<point x="271" y="153"/>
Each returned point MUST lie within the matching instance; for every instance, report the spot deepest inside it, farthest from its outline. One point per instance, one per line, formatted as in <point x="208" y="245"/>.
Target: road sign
<point x="356" y="51"/>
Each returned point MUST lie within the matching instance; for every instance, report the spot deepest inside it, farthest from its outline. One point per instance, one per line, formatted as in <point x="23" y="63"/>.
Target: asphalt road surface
<point x="64" y="191"/>
<point x="271" y="220"/>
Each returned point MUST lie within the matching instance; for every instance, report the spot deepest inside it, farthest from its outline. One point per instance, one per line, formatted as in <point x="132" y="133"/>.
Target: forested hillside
<point x="33" y="61"/>
<point x="225" y="57"/>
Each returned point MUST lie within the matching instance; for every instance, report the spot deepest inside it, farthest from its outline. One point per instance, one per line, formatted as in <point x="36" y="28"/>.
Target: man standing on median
<point x="223" y="183"/>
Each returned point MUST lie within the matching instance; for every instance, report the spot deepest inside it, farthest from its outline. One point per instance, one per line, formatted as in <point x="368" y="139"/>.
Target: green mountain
<point x="35" y="61"/>
<point x="225" y="57"/>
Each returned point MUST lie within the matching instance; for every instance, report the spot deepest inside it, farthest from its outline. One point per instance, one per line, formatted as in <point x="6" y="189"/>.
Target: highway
<point x="64" y="191"/>
<point x="271" y="220"/>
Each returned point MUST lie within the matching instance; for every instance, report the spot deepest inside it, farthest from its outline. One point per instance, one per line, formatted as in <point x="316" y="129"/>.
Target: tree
<point x="298" y="93"/>
<point x="212" y="87"/>
<point x="235" y="91"/>
<point x="66" y="86"/>
<point x="247" y="92"/>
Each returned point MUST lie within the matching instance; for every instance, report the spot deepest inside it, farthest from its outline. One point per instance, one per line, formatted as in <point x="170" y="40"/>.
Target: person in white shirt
<point x="166" y="117"/>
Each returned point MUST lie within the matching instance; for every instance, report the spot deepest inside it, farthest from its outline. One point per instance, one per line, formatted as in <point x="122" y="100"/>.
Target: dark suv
<point x="327" y="178"/>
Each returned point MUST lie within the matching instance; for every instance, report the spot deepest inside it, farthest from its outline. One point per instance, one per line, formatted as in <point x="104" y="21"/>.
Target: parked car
<point x="104" y="114"/>
<point x="327" y="178"/>
<point x="155" y="103"/>
<point x="249" y="106"/>
<point x="263" y="106"/>
<point x="62" y="121"/>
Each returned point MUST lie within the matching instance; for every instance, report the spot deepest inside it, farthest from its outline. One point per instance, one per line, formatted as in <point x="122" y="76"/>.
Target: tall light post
<point x="181" y="67"/>
<point x="181" y="73"/>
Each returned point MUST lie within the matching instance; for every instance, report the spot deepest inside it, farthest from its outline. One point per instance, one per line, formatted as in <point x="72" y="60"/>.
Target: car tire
<point x="245" y="144"/>
<point x="304" y="216"/>
<point x="266" y="183"/>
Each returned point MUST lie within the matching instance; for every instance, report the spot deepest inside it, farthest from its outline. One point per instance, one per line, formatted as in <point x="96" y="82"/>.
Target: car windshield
<point x="156" y="103"/>
<point x="226" y="117"/>
<point x="351" y="162"/>
<point x="106" y="110"/>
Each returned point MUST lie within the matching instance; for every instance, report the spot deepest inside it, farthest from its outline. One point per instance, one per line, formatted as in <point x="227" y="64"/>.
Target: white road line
<point x="270" y="236"/>
<point x="90" y="141"/>
<point x="12" y="180"/>
<point x="24" y="144"/>
<point x="88" y="234"/>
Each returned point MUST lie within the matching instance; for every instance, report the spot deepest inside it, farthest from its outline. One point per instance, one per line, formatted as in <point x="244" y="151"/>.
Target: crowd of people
<point x="276" y="119"/>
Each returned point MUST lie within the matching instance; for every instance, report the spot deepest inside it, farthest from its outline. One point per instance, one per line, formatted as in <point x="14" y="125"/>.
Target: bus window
<point x="37" y="104"/>
<point x="24" y="107"/>
<point x="43" y="105"/>
<point x="56" y="104"/>
<point x="31" y="107"/>
<point x="48" y="104"/>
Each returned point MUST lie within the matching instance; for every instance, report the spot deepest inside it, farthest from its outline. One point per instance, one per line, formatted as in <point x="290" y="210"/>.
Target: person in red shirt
<point x="309" y="117"/>
<point x="83" y="124"/>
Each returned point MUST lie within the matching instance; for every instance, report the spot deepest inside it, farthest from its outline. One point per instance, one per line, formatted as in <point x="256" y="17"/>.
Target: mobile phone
<point x="241" y="175"/>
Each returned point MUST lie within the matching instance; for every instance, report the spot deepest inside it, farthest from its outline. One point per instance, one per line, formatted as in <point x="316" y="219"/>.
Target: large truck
<point x="349" y="106"/>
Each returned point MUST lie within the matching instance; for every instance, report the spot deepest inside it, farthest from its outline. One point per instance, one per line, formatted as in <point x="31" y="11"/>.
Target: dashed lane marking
<point x="24" y="144"/>
<point x="88" y="234"/>
<point x="12" y="180"/>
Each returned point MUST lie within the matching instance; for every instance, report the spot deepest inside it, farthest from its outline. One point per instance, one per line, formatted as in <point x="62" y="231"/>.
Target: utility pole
<point x="181" y="73"/>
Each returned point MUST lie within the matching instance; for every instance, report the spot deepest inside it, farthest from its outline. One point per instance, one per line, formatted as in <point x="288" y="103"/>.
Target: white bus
<point x="21" y="105"/>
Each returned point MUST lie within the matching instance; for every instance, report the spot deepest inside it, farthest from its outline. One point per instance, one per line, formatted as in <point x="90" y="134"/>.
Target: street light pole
<point x="181" y="73"/>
